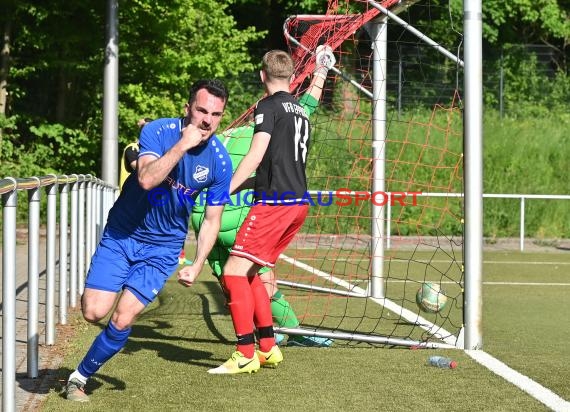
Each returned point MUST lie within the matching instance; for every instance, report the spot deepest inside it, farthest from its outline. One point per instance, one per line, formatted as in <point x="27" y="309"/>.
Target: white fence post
<point x="522" y="225"/>
<point x="33" y="279"/>
<point x="9" y="203"/>
<point x="63" y="218"/>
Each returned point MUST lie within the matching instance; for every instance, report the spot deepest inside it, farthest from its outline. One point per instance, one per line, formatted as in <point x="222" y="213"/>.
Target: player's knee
<point x="92" y="316"/>
<point x="122" y="321"/>
<point x="95" y="305"/>
<point x="90" y="311"/>
<point x="122" y="324"/>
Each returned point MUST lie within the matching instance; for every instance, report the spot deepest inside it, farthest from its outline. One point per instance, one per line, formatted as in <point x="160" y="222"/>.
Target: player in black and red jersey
<point x="278" y="155"/>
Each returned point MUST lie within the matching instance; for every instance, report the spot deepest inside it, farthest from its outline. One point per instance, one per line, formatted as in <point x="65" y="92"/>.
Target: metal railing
<point x="521" y="197"/>
<point x="84" y="202"/>
<point x="387" y="198"/>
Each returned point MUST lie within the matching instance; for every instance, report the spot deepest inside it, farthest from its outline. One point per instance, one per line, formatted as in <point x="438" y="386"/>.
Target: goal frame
<point x="470" y="336"/>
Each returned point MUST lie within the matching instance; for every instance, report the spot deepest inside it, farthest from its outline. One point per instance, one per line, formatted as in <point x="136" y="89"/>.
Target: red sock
<point x="262" y="314"/>
<point x="241" y="308"/>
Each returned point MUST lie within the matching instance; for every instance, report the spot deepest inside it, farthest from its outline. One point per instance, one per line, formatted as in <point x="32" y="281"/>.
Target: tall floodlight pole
<point x="473" y="166"/>
<point x="110" y="149"/>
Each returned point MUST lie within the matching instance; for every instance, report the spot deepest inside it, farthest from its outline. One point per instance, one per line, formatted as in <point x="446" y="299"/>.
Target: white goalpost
<point x="473" y="33"/>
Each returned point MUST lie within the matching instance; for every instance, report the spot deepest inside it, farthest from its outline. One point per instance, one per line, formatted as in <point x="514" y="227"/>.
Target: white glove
<point x="324" y="61"/>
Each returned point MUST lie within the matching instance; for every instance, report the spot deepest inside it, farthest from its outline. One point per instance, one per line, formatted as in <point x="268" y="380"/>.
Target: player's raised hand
<point x="188" y="274"/>
<point x="324" y="60"/>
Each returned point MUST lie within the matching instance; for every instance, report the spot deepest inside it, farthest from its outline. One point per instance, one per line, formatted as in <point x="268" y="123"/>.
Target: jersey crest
<point x="201" y="173"/>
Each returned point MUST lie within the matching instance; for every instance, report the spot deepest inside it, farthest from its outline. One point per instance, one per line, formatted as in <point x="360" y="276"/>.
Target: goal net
<point x="385" y="174"/>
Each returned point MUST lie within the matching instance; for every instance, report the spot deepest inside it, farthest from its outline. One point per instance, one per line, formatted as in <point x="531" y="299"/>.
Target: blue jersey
<point x="161" y="214"/>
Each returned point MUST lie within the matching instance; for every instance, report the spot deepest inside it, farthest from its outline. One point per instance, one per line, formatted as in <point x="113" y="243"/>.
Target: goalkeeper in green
<point x="237" y="142"/>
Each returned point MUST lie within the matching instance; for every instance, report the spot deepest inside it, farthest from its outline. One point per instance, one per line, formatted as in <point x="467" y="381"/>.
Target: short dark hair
<point x="213" y="86"/>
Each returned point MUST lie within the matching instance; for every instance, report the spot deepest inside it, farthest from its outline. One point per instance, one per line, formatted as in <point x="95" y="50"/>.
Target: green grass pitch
<point x="187" y="331"/>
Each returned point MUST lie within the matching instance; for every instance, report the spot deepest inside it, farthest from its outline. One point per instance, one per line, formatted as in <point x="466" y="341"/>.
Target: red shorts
<point x="267" y="231"/>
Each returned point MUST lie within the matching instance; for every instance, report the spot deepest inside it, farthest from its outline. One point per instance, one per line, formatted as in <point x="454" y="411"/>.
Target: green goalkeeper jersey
<point x="237" y="142"/>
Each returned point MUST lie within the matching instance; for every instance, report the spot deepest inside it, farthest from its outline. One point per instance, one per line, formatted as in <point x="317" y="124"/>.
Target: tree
<point x="269" y="15"/>
<point x="55" y="77"/>
<point x="520" y="22"/>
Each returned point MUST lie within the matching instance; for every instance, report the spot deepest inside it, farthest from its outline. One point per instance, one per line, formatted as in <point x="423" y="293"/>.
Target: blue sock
<point x="109" y="342"/>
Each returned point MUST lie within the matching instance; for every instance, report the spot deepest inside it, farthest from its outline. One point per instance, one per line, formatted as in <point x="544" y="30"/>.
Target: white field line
<point x="534" y="389"/>
<point x="522" y="262"/>
<point x="448" y="282"/>
<point x="526" y="283"/>
<point x="490" y="262"/>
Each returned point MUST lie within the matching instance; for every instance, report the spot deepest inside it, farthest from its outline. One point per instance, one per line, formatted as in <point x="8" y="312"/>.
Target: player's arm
<point x="153" y="170"/>
<point x="206" y="239"/>
<point x="325" y="60"/>
<point x="208" y="233"/>
<point x="252" y="159"/>
<point x="248" y="184"/>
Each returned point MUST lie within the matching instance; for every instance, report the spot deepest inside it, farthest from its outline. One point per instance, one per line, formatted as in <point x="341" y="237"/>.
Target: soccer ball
<point x="431" y="298"/>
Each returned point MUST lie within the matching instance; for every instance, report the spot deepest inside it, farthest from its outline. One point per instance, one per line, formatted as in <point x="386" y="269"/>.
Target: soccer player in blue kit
<point x="147" y="225"/>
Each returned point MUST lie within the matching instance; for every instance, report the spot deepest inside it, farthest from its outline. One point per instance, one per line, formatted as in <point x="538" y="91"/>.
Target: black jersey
<point x="280" y="177"/>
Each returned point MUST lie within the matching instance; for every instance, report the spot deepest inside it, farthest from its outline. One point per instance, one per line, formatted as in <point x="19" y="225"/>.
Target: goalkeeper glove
<point x="324" y="61"/>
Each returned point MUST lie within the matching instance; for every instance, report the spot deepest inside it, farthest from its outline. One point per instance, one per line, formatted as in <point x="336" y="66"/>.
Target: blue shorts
<point x="121" y="263"/>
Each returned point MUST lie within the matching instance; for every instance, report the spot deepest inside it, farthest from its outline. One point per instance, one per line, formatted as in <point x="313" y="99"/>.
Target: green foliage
<point x="268" y="16"/>
<point x="66" y="148"/>
<point x="522" y="21"/>
<point x="525" y="21"/>
<point x="163" y="56"/>
<point x="528" y="90"/>
<point x="17" y="160"/>
<point x="424" y="154"/>
<point x="545" y="22"/>
<point x="55" y="83"/>
<point x="528" y="155"/>
<point x="55" y="77"/>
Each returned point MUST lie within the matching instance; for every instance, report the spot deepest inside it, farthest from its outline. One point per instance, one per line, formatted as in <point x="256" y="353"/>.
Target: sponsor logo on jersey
<point x="259" y="118"/>
<point x="294" y="108"/>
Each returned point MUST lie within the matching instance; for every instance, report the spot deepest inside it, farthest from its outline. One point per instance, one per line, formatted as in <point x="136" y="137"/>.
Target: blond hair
<point x="278" y="64"/>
